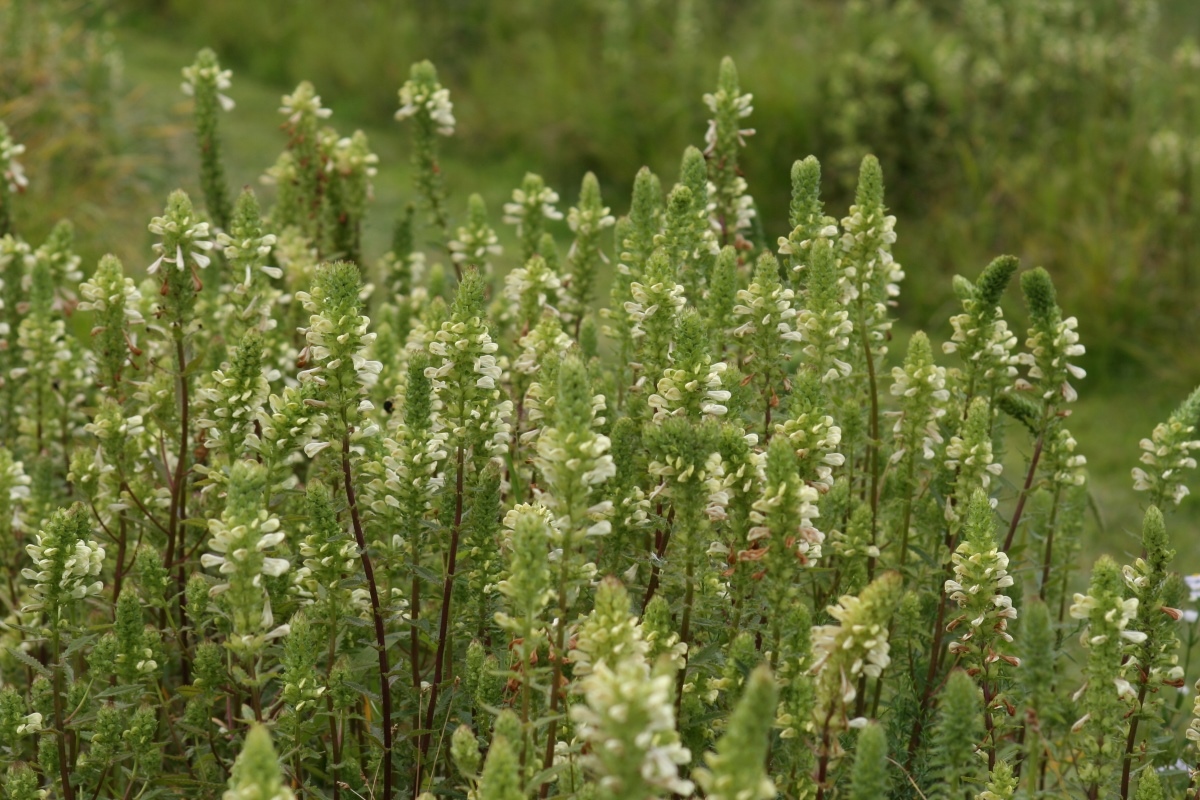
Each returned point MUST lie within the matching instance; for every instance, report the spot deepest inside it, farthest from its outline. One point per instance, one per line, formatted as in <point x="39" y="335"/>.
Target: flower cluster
<point x="625" y="713"/>
<point x="980" y="578"/>
<point x="921" y="387"/>
<point x="981" y="336"/>
<point x="238" y="548"/>
<point x="66" y="563"/>
<point x="1167" y="453"/>
<point x="532" y="204"/>
<point x="1108" y="694"/>
<point x="854" y="645"/>
<point x="475" y="241"/>
<point x="1052" y="341"/>
<point x="422" y="96"/>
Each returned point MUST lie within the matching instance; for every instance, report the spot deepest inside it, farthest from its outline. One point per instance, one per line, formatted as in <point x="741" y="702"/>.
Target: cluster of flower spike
<point x="282" y="526"/>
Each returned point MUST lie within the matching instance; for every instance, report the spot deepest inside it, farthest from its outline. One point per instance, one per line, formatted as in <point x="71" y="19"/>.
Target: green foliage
<point x="483" y="547"/>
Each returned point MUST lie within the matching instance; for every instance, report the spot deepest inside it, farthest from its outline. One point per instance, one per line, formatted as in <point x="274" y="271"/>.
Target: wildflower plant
<point x="276" y="525"/>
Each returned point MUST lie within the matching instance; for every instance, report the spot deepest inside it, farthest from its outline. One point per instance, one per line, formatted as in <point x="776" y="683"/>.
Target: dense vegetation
<point x="456" y="548"/>
<point x="656" y="513"/>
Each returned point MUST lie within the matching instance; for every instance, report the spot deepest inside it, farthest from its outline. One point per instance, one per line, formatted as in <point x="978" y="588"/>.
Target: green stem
<point x="59" y="725"/>
<point x="385" y="688"/>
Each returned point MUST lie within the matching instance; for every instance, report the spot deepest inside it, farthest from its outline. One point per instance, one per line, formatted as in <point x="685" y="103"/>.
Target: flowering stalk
<point x="205" y="81"/>
<point x="810" y="225"/>
<point x="635" y="242"/>
<point x="575" y="462"/>
<point x="464" y="373"/>
<point x="181" y="254"/>
<point x="64" y="561"/>
<point x="532" y="204"/>
<point x="1153" y="657"/>
<point x="300" y="172"/>
<point x="921" y="387"/>
<point x="724" y="138"/>
<point x="350" y="165"/>
<point x="587" y="220"/>
<point x="1052" y="340"/>
<point x="424" y="100"/>
<point x="114" y="300"/>
<point x="527" y="589"/>
<point x="737" y="769"/>
<point x="476" y="242"/>
<point x="336" y="336"/>
<point x="770" y="326"/>
<point x="1108" y="697"/>
<point x="980" y="578"/>
<point x="872" y="277"/>
<point x="957" y="731"/>
<point x="855" y="645"/>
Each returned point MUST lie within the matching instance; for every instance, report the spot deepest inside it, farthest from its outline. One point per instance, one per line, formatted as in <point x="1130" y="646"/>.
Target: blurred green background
<point x="1063" y="131"/>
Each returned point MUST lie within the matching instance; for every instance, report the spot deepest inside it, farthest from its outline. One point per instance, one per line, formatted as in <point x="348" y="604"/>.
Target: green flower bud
<point x="20" y="781"/>
<point x="256" y="774"/>
<point x="501" y="776"/>
<point x="1001" y="785"/>
<point x="870" y="779"/>
<point x="957" y="732"/>
<point x="738" y="768"/>
<point x="722" y="295"/>
<point x="464" y="750"/>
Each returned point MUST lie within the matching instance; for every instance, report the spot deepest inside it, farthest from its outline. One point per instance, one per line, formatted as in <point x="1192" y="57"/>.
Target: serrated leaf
<point x="30" y="662"/>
